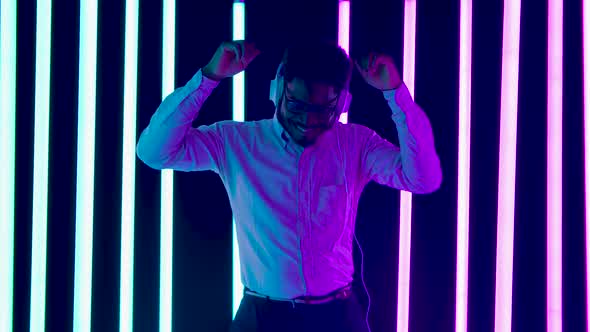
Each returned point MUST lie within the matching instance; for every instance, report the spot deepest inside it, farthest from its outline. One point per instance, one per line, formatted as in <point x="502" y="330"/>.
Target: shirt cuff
<point x="202" y="82"/>
<point x="398" y="99"/>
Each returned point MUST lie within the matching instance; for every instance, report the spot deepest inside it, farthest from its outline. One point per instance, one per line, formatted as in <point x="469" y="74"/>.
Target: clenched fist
<point x="229" y="59"/>
<point x="379" y="71"/>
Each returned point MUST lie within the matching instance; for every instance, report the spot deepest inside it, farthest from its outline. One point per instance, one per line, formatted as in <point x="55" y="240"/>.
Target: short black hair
<point x="318" y="62"/>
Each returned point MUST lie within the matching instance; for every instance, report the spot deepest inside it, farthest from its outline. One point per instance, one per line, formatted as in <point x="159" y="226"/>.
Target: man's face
<point x="307" y="110"/>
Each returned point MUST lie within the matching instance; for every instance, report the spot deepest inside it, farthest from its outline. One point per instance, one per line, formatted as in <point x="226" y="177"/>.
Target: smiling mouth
<point x="304" y="128"/>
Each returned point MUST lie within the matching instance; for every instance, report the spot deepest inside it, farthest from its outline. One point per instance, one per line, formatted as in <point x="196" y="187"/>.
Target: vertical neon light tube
<point x="85" y="166"/>
<point x="464" y="162"/>
<point x="166" y="217"/>
<point x="405" y="232"/>
<point x="344" y="35"/>
<point x="239" y="114"/>
<point x="40" y="167"/>
<point x="128" y="174"/>
<point x="7" y="155"/>
<point x="586" y="55"/>
<point x="507" y="165"/>
<point x="554" y="164"/>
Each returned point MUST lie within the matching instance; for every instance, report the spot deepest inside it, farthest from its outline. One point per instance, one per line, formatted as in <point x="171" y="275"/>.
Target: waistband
<point x="339" y="294"/>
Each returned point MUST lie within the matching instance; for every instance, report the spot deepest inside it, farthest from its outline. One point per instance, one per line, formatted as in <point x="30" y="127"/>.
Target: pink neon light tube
<point x="507" y="166"/>
<point x="344" y="25"/>
<point x="586" y="54"/>
<point x="464" y="161"/>
<point x="554" y="164"/>
<point x="405" y="232"/>
<point x="344" y="35"/>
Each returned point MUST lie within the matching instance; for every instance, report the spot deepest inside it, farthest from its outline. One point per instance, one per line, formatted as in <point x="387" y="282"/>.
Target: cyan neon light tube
<point x="85" y="166"/>
<point x="128" y="171"/>
<point x="239" y="114"/>
<point x="40" y="167"/>
<point x="167" y="180"/>
<point x="7" y="153"/>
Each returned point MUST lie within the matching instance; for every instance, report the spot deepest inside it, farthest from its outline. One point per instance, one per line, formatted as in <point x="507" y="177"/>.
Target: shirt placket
<point x="299" y="220"/>
<point x="304" y="209"/>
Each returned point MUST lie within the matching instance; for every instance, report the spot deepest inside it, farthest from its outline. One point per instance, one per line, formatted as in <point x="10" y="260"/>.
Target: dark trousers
<point x="257" y="314"/>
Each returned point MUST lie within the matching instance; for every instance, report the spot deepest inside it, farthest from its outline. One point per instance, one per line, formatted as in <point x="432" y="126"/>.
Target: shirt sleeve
<point x="170" y="142"/>
<point x="414" y="166"/>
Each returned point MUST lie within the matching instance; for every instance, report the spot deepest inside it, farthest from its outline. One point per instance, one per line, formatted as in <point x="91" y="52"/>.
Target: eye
<point x="299" y="106"/>
<point x="295" y="106"/>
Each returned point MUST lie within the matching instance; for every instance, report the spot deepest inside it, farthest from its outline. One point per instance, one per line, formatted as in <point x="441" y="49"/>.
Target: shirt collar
<point x="284" y="137"/>
<point x="277" y="127"/>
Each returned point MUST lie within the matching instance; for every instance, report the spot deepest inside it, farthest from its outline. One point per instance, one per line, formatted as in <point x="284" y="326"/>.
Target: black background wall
<point x="202" y="222"/>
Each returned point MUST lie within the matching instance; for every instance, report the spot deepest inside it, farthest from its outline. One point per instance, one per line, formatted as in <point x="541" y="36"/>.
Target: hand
<point x="379" y="71"/>
<point x="229" y="59"/>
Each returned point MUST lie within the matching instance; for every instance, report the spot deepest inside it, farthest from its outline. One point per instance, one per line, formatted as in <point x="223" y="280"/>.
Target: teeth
<point x="302" y="128"/>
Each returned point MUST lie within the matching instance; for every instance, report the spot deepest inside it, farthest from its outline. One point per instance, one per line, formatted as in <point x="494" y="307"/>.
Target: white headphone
<point x="276" y="91"/>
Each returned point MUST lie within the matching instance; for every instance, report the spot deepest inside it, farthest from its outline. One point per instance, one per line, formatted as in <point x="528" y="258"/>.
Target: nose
<point x="311" y="120"/>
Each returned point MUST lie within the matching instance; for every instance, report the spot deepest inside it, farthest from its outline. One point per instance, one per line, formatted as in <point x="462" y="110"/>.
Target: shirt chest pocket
<point x="330" y="195"/>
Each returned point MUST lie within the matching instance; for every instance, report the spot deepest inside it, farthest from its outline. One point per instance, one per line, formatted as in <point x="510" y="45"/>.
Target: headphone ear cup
<point x="276" y="90"/>
<point x="276" y="85"/>
<point x="344" y="102"/>
<point x="273" y="92"/>
<point x="347" y="102"/>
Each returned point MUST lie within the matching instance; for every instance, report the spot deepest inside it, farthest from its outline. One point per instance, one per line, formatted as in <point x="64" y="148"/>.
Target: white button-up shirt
<point x="294" y="207"/>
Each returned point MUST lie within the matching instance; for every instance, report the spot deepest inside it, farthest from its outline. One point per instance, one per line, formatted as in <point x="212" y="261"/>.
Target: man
<point x="294" y="181"/>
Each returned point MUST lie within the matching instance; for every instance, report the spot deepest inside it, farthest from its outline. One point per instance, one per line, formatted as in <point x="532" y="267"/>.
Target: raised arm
<point x="169" y="141"/>
<point x="413" y="166"/>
